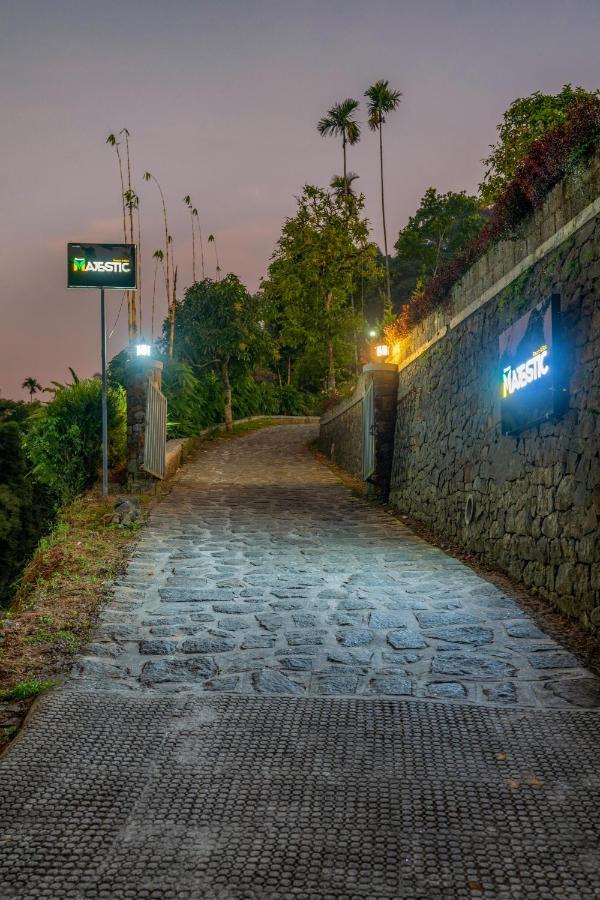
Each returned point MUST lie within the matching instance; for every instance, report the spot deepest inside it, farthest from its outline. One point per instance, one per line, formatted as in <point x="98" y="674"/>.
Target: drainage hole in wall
<point x="469" y="509"/>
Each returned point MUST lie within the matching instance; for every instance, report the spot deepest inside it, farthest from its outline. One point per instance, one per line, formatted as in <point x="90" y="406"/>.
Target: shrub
<point x="192" y="403"/>
<point x="563" y="151"/>
<point x="65" y="441"/>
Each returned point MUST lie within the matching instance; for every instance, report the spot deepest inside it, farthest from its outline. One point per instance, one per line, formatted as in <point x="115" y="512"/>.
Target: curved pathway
<point x="292" y="695"/>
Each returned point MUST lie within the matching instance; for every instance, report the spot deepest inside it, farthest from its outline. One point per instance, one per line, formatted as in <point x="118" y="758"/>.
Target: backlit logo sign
<point x="109" y="266"/>
<point x="532" y="383"/>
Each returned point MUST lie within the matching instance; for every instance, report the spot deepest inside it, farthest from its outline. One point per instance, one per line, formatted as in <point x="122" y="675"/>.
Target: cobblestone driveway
<point x="261" y="573"/>
<point x="459" y="763"/>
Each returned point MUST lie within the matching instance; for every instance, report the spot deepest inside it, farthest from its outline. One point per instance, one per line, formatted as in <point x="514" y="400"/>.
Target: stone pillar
<point x="141" y="372"/>
<point x="384" y="378"/>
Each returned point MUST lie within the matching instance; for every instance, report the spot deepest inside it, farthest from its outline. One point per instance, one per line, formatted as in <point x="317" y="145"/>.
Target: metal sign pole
<point x="104" y="399"/>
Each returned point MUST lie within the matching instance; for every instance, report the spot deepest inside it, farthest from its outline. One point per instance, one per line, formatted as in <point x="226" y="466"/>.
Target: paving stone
<point x="164" y="630"/>
<point x="205" y="644"/>
<point x="386" y="620"/>
<point x="256" y="641"/>
<point x="224" y="683"/>
<point x="584" y="692"/>
<point x="202" y="617"/>
<point x="354" y="637"/>
<point x="181" y="595"/>
<point x="270" y="681"/>
<point x="401" y="659"/>
<point x="470" y="664"/>
<point x="297" y="663"/>
<point x="106" y="648"/>
<point x="270" y="621"/>
<point x="305" y="638"/>
<point x="406" y="640"/>
<point x="550" y="659"/>
<point x="344" y="619"/>
<point x="447" y="690"/>
<point x="501" y="693"/>
<point x="391" y="684"/>
<point x="177" y="670"/>
<point x="350" y="657"/>
<point x="234" y="624"/>
<point x="356" y="603"/>
<point x="466" y="634"/>
<point x="157" y="647"/>
<point x="304" y="620"/>
<point x="435" y="619"/>
<point x="285" y="605"/>
<point x="523" y="630"/>
<point x="334" y="684"/>
<point x="237" y="609"/>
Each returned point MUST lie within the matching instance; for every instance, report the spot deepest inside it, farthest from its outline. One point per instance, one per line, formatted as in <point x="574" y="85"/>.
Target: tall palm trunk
<point x="193" y="247"/>
<point x="172" y="313"/>
<point x="388" y="303"/>
<point x="227" y="395"/>
<point x="127" y="293"/>
<point x="345" y="173"/>
<point x="133" y="310"/>
<point x="330" y="383"/>
<point x="139" y="261"/>
<point x="201" y="245"/>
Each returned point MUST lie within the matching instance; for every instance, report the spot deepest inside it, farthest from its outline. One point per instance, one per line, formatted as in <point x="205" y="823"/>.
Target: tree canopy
<point x="441" y="227"/>
<point x="526" y="120"/>
<point x="313" y="287"/>
<point x="220" y="326"/>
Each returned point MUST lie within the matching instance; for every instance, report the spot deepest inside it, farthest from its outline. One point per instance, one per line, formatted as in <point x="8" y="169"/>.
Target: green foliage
<point x="526" y="120"/>
<point x="65" y="441"/>
<point x="26" y="507"/>
<point x="26" y="689"/>
<point x="441" y="227"/>
<point x="192" y="403"/>
<point x="220" y="321"/>
<point x="321" y="262"/>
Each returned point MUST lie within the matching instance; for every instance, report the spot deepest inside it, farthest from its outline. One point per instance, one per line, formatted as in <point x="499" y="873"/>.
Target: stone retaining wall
<point x="340" y="433"/>
<point x="536" y="495"/>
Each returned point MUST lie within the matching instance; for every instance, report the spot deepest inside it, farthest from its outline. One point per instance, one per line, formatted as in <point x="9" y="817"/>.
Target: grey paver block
<point x="406" y="640"/>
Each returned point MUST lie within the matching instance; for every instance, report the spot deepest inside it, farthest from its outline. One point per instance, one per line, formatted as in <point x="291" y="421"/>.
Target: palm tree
<point x="147" y="177"/>
<point x="195" y="213"/>
<point x="342" y="187"/>
<point x="113" y="142"/>
<point x="33" y="386"/>
<point x="188" y="202"/>
<point x="381" y="101"/>
<point x="212" y="240"/>
<point x="340" y="121"/>
<point x="159" y="259"/>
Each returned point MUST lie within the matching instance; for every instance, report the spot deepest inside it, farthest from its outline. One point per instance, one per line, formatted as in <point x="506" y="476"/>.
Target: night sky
<point x="222" y="98"/>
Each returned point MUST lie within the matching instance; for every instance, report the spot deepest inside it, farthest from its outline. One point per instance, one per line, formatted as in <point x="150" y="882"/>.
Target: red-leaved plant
<point x="558" y="153"/>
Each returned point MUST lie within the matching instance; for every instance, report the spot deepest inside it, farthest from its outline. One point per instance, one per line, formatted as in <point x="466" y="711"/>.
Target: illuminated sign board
<point x="108" y="266"/>
<point x="532" y="380"/>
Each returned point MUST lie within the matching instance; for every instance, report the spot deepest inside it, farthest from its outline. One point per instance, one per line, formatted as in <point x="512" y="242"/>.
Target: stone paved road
<point x="261" y="573"/>
<point x="463" y="764"/>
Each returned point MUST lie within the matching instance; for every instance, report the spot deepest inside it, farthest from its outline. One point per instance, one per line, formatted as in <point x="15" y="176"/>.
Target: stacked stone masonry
<point x="537" y="495"/>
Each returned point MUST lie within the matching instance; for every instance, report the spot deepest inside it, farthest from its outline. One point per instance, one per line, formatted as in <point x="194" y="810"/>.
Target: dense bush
<point x="563" y="151"/>
<point x="26" y="507"/>
<point x="65" y="440"/>
<point x="192" y="403"/>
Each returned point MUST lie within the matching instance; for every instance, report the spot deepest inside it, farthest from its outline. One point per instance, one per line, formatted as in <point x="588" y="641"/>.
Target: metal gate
<point x="368" y="433"/>
<point x="155" y="438"/>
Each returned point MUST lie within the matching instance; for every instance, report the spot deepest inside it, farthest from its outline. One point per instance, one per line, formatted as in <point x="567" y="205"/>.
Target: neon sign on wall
<point x="532" y="384"/>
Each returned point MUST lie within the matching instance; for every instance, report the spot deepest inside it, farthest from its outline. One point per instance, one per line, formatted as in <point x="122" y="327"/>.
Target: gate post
<point x="384" y="379"/>
<point x="141" y="372"/>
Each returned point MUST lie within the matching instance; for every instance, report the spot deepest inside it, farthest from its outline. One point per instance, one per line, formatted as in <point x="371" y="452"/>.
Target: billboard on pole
<point x="108" y="266"/>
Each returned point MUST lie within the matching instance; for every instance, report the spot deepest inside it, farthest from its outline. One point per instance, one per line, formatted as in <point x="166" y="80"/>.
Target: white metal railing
<point x="155" y="438"/>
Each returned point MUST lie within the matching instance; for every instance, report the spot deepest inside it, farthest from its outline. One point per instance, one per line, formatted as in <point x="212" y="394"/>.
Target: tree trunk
<point x="193" y="251"/>
<point x="345" y="176"/>
<point x="330" y="366"/>
<point x="289" y="370"/>
<point x="388" y="304"/>
<point x="227" y="395"/>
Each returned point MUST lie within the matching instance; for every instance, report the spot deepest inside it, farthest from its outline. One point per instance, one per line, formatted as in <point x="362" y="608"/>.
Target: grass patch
<point x="26" y="689"/>
<point x="59" y="595"/>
